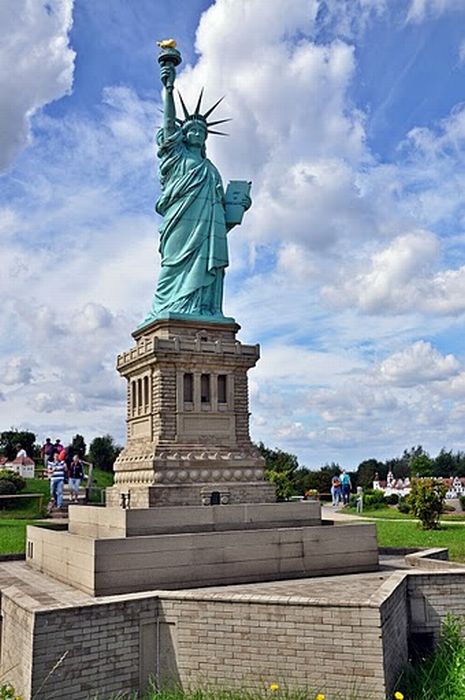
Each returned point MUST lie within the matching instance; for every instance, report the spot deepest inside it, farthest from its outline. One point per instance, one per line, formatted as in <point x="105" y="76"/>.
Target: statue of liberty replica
<point x="188" y="437"/>
<point x="196" y="213"/>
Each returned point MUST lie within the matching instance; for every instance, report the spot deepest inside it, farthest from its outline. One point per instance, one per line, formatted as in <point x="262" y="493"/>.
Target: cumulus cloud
<point x="36" y="66"/>
<point x="401" y="278"/>
<point x="393" y="281"/>
<point x="418" y="364"/>
<point x="81" y="238"/>
<point x="299" y="143"/>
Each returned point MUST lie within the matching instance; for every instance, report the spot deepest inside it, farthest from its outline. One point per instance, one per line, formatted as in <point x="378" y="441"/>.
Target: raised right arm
<point x="167" y="75"/>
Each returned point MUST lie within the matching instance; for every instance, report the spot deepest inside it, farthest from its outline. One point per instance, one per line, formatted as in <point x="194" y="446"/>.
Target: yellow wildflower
<point x="320" y="696"/>
<point x="274" y="687"/>
<point x="398" y="695"/>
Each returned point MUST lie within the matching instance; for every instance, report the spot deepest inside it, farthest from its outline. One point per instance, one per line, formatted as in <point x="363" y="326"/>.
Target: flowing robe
<point x="193" y="243"/>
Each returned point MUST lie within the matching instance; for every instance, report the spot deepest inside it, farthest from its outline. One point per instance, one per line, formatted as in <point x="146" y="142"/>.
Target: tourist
<point x="56" y="473"/>
<point x="20" y="452"/>
<point x="69" y="456"/>
<point x="336" y="490"/>
<point x="58" y="447"/>
<point x="46" y="451"/>
<point x="75" y="476"/>
<point x="345" y="487"/>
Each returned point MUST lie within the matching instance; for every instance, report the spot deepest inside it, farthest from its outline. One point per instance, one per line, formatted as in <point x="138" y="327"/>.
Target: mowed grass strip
<point x="408" y="534"/>
<point x="13" y="536"/>
<point x="394" y="514"/>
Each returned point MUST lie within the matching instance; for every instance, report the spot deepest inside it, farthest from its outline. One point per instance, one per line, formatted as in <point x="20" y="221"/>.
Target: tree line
<point x="282" y="468"/>
<point x="102" y="451"/>
<point x="291" y="479"/>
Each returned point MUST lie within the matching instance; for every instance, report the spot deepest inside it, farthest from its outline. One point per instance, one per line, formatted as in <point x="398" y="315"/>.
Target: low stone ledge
<point x="436" y="558"/>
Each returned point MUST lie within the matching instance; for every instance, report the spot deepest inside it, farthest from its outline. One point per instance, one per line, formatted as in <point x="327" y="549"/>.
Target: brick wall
<point x="102" y="642"/>
<point x="327" y="648"/>
<point x="431" y="597"/>
<point x="114" y="647"/>
<point x="16" y="647"/>
<point x="394" y="616"/>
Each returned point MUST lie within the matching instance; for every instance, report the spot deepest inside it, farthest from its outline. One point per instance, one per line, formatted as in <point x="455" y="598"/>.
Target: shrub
<point x="7" y="488"/>
<point x="426" y="500"/>
<point x="13" y="478"/>
<point x="373" y="498"/>
<point x="462" y="502"/>
<point x="392" y="499"/>
<point x="404" y="506"/>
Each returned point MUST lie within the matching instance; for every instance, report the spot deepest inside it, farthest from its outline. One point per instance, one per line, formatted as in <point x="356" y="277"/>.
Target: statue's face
<point x="196" y="134"/>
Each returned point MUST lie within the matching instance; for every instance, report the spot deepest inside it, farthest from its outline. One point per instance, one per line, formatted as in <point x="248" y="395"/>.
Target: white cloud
<point x="401" y="279"/>
<point x="298" y="146"/>
<point x="36" y="66"/>
<point x="452" y="388"/>
<point x="418" y="364"/>
<point x="18" y="370"/>
<point x="350" y="18"/>
<point x="395" y="279"/>
<point x="80" y="243"/>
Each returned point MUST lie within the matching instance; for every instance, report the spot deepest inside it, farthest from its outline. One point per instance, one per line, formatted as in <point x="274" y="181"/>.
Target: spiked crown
<point x="197" y="116"/>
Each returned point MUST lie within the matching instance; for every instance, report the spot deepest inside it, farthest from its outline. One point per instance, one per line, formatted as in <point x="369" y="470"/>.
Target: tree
<point x="421" y="465"/>
<point x="9" y="439"/>
<point x="366" y="471"/>
<point x="426" y="500"/>
<point x="103" y="452"/>
<point x="78" y="445"/>
<point x="320" y="479"/>
<point x="280" y="469"/>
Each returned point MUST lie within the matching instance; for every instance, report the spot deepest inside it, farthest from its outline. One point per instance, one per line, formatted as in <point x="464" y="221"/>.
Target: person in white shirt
<point x="56" y="474"/>
<point x="21" y="453"/>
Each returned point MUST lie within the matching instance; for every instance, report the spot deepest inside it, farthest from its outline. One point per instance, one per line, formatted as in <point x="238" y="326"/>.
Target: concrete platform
<point x="115" y="522"/>
<point x="96" y="556"/>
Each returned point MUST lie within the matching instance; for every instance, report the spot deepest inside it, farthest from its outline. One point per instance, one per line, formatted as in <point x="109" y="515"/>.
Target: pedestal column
<point x="188" y="438"/>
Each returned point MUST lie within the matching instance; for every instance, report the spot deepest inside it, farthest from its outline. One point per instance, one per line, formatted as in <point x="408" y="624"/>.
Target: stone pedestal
<point x="188" y="439"/>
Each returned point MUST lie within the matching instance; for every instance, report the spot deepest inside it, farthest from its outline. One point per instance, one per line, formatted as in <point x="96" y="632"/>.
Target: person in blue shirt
<point x="345" y="487"/>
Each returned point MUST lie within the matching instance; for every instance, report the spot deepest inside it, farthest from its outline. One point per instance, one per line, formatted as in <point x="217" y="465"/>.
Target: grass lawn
<point x="28" y="508"/>
<point x="408" y="534"/>
<point x="385" y="513"/>
<point x="102" y="478"/>
<point x="13" y="535"/>
<point x="393" y="514"/>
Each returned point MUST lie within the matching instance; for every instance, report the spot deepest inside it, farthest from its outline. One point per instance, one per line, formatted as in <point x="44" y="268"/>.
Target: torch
<point x="169" y="55"/>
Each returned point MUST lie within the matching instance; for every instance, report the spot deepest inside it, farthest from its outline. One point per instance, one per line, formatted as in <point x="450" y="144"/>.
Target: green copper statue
<point x="196" y="211"/>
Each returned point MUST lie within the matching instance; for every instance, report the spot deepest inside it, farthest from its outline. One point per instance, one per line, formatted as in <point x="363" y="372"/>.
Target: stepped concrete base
<point x="112" y="551"/>
<point x="292" y="632"/>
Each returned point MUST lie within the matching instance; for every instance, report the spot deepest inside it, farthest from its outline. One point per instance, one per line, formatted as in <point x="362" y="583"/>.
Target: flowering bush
<point x="426" y="500"/>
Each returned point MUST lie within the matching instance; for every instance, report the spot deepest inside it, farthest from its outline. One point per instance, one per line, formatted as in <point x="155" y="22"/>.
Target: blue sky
<point x="349" y="118"/>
